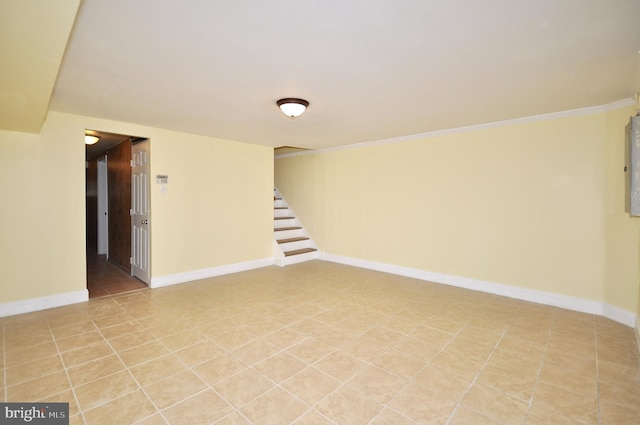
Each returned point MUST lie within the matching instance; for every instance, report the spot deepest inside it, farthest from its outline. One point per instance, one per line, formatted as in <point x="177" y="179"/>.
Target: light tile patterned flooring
<point x="322" y="343"/>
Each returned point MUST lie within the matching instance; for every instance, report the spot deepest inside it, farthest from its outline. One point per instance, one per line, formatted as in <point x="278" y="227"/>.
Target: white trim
<point x="497" y="124"/>
<point x="618" y="314"/>
<point x="43" y="303"/>
<point x="541" y="297"/>
<point x="173" y="279"/>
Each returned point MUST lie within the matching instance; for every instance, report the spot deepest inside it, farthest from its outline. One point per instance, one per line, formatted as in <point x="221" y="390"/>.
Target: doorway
<point x="103" y="208"/>
<point x="110" y="230"/>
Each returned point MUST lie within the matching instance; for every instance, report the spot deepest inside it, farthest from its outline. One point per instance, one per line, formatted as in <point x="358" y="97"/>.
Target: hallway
<point x="104" y="278"/>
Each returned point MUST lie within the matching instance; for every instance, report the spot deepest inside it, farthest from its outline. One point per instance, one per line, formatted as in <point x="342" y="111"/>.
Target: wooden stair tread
<point x="283" y="218"/>
<point x="280" y="208"/>
<point x="277" y="229"/>
<point x="299" y="251"/>
<point x="301" y="238"/>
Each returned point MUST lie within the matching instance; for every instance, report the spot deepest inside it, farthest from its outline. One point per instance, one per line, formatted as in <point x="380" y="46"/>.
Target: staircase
<point x="292" y="244"/>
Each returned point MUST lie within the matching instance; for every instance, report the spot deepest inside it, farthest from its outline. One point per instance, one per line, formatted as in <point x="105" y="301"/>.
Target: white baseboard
<point x="612" y="312"/>
<point x="43" y="303"/>
<point x="173" y="279"/>
<point x="618" y="314"/>
<point x="547" y="298"/>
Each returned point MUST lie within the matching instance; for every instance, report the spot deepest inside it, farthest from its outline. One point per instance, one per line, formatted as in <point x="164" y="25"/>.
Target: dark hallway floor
<point x="105" y="278"/>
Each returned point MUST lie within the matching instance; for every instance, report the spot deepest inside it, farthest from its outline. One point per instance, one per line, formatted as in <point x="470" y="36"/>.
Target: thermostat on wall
<point x="160" y="179"/>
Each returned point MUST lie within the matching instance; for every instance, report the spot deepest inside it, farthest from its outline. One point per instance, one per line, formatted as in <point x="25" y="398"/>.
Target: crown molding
<point x="613" y="106"/>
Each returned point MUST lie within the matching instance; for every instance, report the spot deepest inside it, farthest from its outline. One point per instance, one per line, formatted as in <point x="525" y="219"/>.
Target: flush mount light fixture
<point x="292" y="107"/>
<point x="90" y="140"/>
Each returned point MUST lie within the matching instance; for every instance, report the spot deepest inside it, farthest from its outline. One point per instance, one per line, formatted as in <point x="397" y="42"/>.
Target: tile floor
<point x="321" y="343"/>
<point x="105" y="278"/>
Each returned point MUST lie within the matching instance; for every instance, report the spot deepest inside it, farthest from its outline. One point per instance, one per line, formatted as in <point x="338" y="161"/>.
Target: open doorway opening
<point x="110" y="198"/>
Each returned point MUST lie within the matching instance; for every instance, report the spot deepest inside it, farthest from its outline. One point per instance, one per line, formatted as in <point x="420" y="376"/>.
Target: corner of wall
<point x="637" y="329"/>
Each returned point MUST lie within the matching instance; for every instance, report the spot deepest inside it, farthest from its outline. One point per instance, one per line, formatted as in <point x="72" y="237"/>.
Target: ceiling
<point x="371" y="69"/>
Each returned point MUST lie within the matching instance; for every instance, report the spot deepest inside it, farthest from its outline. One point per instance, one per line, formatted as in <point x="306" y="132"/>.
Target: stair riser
<point x="285" y="223"/>
<point x="291" y="246"/>
<point x="279" y="203"/>
<point x="286" y="234"/>
<point x="294" y="259"/>
<point x="282" y="213"/>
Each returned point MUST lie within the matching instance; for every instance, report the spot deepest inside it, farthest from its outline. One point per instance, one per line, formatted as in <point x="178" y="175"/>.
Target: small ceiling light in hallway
<point x="90" y="140"/>
<point x="292" y="107"/>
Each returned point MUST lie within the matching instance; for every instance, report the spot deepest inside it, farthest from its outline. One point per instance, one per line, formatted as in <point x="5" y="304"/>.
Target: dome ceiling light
<point x="90" y="140"/>
<point x="292" y="107"/>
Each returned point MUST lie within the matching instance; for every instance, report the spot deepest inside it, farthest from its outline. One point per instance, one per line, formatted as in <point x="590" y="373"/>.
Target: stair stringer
<point x="278" y="255"/>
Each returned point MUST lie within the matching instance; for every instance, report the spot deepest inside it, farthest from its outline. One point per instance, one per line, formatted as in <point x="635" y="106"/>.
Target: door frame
<point x="103" y="208"/>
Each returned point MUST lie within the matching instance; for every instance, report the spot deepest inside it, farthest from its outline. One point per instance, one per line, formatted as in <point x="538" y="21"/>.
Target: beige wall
<point x="622" y="280"/>
<point x="535" y="205"/>
<point x="218" y="209"/>
<point x="42" y="244"/>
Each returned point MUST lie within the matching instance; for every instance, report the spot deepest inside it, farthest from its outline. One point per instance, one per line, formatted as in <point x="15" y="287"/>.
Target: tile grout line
<point x="386" y="405"/>
<point x="252" y="366"/>
<point x="170" y="353"/>
<point x="186" y="366"/>
<point x="475" y="379"/>
<point x="66" y="371"/>
<point x="308" y="365"/>
<point x="535" y="385"/>
<point x="440" y="351"/>
<point x="312" y="407"/>
<point x="408" y="380"/>
<point x="371" y="363"/>
<point x="208" y="386"/>
<point x="106" y="340"/>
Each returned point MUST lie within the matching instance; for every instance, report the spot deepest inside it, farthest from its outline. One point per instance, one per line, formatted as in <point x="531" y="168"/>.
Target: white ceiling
<point x="371" y="69"/>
